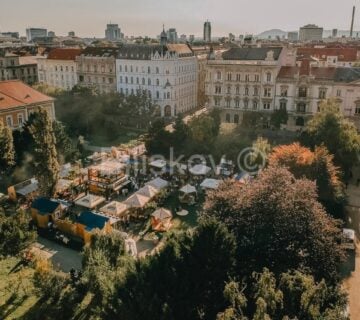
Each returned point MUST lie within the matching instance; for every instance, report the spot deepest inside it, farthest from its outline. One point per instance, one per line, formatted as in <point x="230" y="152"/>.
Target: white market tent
<point x="162" y="214"/>
<point x="114" y="208"/>
<point x="158" y="183"/>
<point x="200" y="170"/>
<point x="159" y="164"/>
<point x="136" y="201"/>
<point x="90" y="201"/>
<point x="148" y="191"/>
<point x="188" y="189"/>
<point x="210" y="184"/>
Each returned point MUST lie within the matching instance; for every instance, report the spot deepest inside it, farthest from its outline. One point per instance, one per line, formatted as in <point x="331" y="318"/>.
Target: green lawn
<point x="16" y="289"/>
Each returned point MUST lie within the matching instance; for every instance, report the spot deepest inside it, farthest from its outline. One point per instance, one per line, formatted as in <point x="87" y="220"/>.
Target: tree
<point x="278" y="218"/>
<point x="329" y="128"/>
<point x="279" y="117"/>
<point x="15" y="234"/>
<point x="45" y="163"/>
<point x="64" y="146"/>
<point x="261" y="148"/>
<point x="314" y="165"/>
<point x="7" y="151"/>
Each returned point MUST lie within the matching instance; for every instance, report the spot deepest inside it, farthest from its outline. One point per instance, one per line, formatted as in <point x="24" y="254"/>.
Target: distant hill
<point x="272" y="34"/>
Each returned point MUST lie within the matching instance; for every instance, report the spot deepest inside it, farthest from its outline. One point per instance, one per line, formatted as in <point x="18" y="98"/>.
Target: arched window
<point x="236" y="118"/>
<point x="149" y="82"/>
<point x="227" y="118"/>
<point x="157" y="82"/>
<point x="300" y="121"/>
<point x="268" y="77"/>
<point x="143" y="81"/>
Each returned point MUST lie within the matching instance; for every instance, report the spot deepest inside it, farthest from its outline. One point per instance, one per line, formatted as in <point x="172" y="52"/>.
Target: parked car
<point x="349" y="235"/>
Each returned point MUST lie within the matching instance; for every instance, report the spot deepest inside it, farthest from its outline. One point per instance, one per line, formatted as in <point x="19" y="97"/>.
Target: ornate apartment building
<point x="244" y="79"/>
<point x="167" y="72"/>
<point x="18" y="101"/>
<point x="13" y="66"/>
<point x="300" y="90"/>
<point x="58" y="69"/>
<point x="96" y="68"/>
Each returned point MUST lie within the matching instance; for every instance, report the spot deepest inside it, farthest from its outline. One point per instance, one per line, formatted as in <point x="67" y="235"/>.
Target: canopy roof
<point x="210" y="184"/>
<point x="90" y="201"/>
<point x="114" y="208"/>
<point x="158" y="183"/>
<point x="158" y="163"/>
<point x="199" y="170"/>
<point x="162" y="214"/>
<point x="137" y="201"/>
<point x="148" y="191"/>
<point x="188" y="189"/>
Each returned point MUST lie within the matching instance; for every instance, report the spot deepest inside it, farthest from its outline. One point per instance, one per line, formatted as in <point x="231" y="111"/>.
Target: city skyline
<point x="146" y="17"/>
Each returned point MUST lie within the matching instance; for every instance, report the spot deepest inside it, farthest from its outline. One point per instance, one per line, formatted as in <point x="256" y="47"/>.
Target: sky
<point x="145" y="17"/>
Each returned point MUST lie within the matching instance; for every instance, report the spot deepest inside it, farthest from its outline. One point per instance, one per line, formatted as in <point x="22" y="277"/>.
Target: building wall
<point x="97" y="73"/>
<point x="10" y="69"/>
<point x="58" y="73"/>
<point x="170" y="81"/>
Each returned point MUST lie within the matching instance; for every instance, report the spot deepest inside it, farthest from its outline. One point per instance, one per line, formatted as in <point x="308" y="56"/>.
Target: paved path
<point x="61" y="256"/>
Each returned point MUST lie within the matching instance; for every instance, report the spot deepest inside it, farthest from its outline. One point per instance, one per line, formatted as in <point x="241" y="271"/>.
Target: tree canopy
<point x="7" y="151"/>
<point x="330" y="128"/>
<point x="279" y="224"/>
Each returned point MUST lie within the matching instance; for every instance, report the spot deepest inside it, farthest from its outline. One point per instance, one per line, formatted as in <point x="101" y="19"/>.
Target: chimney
<point x="352" y="22"/>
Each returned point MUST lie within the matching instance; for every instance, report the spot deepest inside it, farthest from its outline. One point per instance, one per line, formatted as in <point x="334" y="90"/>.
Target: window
<point x="149" y="70"/>
<point x="246" y="104"/>
<point x="157" y="95"/>
<point x="149" y="82"/>
<point x="157" y="69"/>
<point x="217" y="102"/>
<point x="120" y="79"/>
<point x="228" y="103"/>
<point x="256" y="91"/>
<point x="237" y="103"/>
<point x="137" y="80"/>
<point x="218" y="75"/>
<point x="322" y="93"/>
<point x="168" y="95"/>
<point x="120" y="68"/>
<point x="131" y="80"/>
<point x="217" y="89"/>
<point x="228" y="90"/>
<point x="125" y="68"/>
<point x="236" y="118"/>
<point x="20" y="119"/>
<point x="227" y="118"/>
<point x="267" y="92"/>
<point x="247" y="78"/>
<point x="257" y="78"/>
<point x="338" y="93"/>
<point x="237" y="90"/>
<point x="131" y="68"/>
<point x="266" y="106"/>
<point x="283" y="104"/>
<point x="302" y="92"/>
<point x="157" y="82"/>
<point x="301" y="107"/>
<point x="238" y="77"/>
<point x="9" y="121"/>
<point x="143" y="81"/>
<point x="126" y="79"/>
<point x="268" y="77"/>
<point x="229" y="76"/>
<point x="284" y="92"/>
<point x="246" y="91"/>
<point x="255" y="105"/>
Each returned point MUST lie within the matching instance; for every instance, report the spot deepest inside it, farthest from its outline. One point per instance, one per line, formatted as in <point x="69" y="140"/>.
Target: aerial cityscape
<point x="180" y="160"/>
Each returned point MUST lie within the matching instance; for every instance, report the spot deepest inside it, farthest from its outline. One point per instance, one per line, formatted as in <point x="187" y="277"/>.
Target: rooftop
<point x="100" y="52"/>
<point x="45" y="206"/>
<point x="92" y="220"/>
<point x="64" y="54"/>
<point x="252" y="53"/>
<point x="343" y="54"/>
<point x="14" y="93"/>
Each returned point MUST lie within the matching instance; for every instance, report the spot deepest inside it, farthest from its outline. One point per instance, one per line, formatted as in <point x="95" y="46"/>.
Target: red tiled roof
<point x="319" y="73"/>
<point x="64" y="54"/>
<point x="343" y="54"/>
<point x="14" y="93"/>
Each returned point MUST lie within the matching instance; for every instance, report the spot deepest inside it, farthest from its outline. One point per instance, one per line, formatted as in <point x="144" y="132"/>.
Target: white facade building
<point x="59" y="69"/>
<point x="243" y="80"/>
<point x="168" y="73"/>
<point x="300" y="91"/>
<point x="311" y="32"/>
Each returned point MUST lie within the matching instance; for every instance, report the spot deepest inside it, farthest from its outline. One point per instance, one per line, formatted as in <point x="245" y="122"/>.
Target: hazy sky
<point x="145" y="17"/>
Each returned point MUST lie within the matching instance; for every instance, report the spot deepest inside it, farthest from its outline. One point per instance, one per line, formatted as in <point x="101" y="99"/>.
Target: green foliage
<point x="279" y="117"/>
<point x="45" y="163"/>
<point x="329" y="128"/>
<point x="279" y="219"/>
<point x="7" y="151"/>
<point x="91" y="115"/>
<point x="15" y="234"/>
<point x="66" y="150"/>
